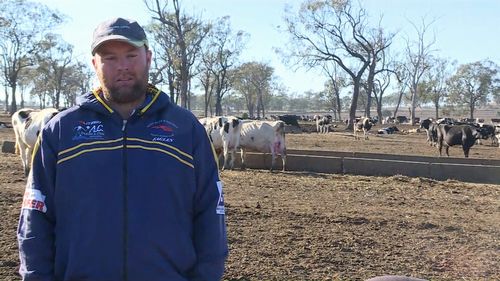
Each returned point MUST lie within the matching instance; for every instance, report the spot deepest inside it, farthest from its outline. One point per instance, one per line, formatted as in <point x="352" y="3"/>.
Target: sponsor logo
<point x="34" y="200"/>
<point x="162" y="131"/>
<point x="88" y="130"/>
<point x="220" y="204"/>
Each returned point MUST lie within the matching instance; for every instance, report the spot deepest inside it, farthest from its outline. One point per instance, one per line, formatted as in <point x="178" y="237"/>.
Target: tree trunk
<point x="354" y="103"/>
<point x="13" y="104"/>
<point x="218" y="106"/>
<point x="6" y="100"/>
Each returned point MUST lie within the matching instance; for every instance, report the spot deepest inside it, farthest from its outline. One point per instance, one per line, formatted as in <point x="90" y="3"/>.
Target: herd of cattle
<point x="448" y="132"/>
<point x="229" y="133"/>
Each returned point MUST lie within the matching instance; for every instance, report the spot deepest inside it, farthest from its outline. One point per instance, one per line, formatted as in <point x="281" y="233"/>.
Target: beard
<point x="124" y="95"/>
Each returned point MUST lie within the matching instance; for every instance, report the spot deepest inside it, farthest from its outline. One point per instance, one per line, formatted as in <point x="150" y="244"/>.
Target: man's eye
<point x="109" y="58"/>
<point x="132" y="55"/>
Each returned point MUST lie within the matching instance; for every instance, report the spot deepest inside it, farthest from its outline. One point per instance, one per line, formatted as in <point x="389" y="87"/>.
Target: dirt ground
<point x="307" y="226"/>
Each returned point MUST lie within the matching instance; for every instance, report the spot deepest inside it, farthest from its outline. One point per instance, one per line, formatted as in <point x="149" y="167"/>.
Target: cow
<point x="27" y="124"/>
<point x="363" y="125"/>
<point x="388" y="130"/>
<point x="389" y="120"/>
<point x="450" y="135"/>
<point x="263" y="136"/>
<point x="289" y="119"/>
<point x="322" y="123"/>
<point x="487" y="131"/>
<point x="497" y="135"/>
<point x="224" y="133"/>
<point x="431" y="130"/>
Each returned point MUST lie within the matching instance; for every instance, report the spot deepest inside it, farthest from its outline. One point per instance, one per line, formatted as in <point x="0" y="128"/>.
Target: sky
<point x="465" y="30"/>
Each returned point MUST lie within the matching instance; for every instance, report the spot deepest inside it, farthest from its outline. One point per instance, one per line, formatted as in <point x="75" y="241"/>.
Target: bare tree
<point x="378" y="63"/>
<point x="418" y="54"/>
<point x="333" y="86"/>
<point x="22" y="25"/>
<point x="381" y="84"/>
<point x="186" y="33"/>
<point x="331" y="31"/>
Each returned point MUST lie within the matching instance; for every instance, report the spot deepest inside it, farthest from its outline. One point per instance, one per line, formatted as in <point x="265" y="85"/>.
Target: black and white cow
<point x="27" y="124"/>
<point x="224" y="132"/>
<point x="450" y="135"/>
<point x="487" y="131"/>
<point x="263" y="136"/>
<point x="388" y="130"/>
<point x="323" y="123"/>
<point x="363" y="125"/>
<point x="430" y="128"/>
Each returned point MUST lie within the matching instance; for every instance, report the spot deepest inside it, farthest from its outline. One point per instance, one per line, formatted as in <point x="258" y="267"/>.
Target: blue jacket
<point x="109" y="199"/>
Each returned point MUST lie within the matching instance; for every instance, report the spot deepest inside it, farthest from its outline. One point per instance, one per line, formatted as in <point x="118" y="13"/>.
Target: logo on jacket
<point x="88" y="130"/>
<point x="162" y="130"/>
<point x="220" y="203"/>
<point x="34" y="200"/>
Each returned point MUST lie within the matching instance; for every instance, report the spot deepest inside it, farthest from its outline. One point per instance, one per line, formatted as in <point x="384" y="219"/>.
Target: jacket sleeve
<point x="209" y="232"/>
<point x="35" y="233"/>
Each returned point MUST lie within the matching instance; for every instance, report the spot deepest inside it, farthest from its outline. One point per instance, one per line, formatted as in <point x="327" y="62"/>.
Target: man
<point x="124" y="186"/>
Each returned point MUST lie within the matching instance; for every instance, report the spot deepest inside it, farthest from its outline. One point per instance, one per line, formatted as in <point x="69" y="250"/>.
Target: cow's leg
<point x="232" y="154"/>
<point x="446" y="149"/>
<point x="466" y="151"/>
<point x="283" y="159"/>
<point x="243" y="165"/>
<point x="226" y="155"/>
<point x="26" y="159"/>
<point x="273" y="157"/>
<point x="17" y="149"/>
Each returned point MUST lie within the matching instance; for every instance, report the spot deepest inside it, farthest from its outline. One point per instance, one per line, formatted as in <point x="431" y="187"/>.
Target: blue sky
<point x="465" y="30"/>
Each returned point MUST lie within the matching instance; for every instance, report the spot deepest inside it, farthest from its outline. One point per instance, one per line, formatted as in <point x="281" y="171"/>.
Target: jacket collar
<point x="155" y="100"/>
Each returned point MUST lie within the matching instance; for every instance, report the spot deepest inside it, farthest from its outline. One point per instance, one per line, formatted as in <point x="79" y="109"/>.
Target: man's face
<point x="123" y="71"/>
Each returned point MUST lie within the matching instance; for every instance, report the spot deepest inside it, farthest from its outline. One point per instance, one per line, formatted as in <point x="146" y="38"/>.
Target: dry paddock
<point x="307" y="226"/>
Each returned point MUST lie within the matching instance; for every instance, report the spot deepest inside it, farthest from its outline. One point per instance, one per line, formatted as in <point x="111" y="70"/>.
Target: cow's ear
<point x="226" y="127"/>
<point x="235" y="123"/>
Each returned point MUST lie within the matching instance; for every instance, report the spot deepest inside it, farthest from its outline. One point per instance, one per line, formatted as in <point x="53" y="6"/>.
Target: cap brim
<point x="135" y="43"/>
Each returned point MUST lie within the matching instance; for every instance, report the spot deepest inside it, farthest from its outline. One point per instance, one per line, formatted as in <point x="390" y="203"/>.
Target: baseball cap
<point x="120" y="29"/>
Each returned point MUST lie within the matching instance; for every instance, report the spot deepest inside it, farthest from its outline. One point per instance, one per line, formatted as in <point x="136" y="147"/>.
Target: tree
<point x="326" y="30"/>
<point x="418" y="55"/>
<point x="378" y="65"/>
<point x="23" y="25"/>
<point x="433" y="88"/>
<point x="220" y="53"/>
<point x="54" y="60"/>
<point x="382" y="82"/>
<point x="182" y="36"/>
<point x="336" y="81"/>
<point x="473" y="84"/>
<point x="253" y="81"/>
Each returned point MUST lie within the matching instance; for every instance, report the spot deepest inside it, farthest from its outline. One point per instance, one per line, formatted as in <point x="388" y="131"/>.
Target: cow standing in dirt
<point x="263" y="136"/>
<point x="27" y="124"/>
<point x="363" y="125"/>
<point x="450" y="135"/>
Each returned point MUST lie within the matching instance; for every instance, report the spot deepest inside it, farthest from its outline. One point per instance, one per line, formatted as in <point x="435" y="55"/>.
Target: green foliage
<point x="473" y="85"/>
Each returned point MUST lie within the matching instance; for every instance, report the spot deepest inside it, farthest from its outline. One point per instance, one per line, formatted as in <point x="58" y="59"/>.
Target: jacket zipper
<point x="125" y="203"/>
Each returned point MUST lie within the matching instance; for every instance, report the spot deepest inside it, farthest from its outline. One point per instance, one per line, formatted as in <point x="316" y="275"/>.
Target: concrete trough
<point x="466" y="173"/>
<point x="344" y="163"/>
<point x="383" y="167"/>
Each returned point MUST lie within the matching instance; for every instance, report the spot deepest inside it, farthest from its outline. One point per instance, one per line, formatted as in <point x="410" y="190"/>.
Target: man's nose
<point x="123" y="63"/>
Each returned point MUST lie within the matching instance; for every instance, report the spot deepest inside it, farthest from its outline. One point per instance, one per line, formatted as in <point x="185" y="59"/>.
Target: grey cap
<point x="119" y="29"/>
